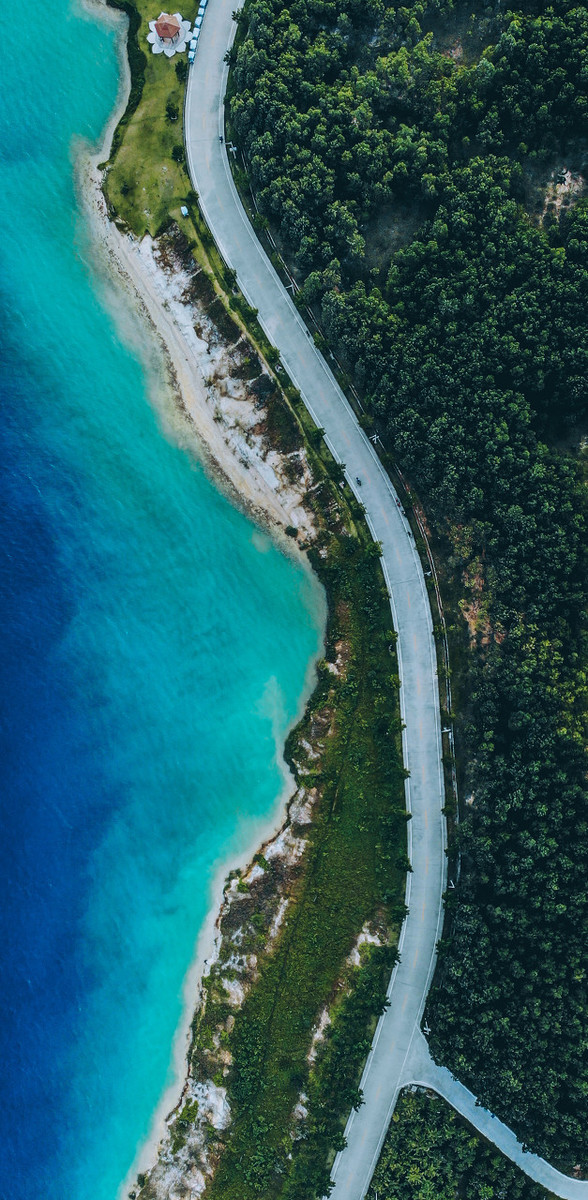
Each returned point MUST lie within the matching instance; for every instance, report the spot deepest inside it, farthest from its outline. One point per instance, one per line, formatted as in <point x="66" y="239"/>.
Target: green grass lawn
<point x="144" y="184"/>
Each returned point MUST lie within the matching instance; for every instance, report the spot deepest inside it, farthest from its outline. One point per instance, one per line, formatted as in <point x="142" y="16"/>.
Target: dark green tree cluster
<point x="476" y="344"/>
<point x="534" y="81"/>
<point x="470" y="349"/>
<point x="430" y="1154"/>
<point x="341" y="108"/>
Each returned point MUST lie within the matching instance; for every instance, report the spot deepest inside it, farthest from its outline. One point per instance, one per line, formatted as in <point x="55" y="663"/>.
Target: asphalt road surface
<point x="399" y="1053"/>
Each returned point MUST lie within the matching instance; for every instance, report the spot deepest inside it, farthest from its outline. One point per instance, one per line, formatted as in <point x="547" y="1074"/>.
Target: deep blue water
<point x="154" y="646"/>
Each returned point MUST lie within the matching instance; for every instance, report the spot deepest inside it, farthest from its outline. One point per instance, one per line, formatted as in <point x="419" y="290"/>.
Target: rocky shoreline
<point x="188" y="1151"/>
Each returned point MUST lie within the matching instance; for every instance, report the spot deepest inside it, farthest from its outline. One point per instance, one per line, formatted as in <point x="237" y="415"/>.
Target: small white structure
<point x="168" y="34"/>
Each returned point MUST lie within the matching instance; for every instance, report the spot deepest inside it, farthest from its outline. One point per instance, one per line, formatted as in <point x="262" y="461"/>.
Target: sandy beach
<point x="201" y="406"/>
<point x="209" y="412"/>
<point x="269" y="838"/>
<point x="195" y="392"/>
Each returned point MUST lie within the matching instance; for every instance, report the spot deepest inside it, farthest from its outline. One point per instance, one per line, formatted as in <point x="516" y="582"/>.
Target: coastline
<point x="205" y="956"/>
<point x="182" y="403"/>
<point x="192" y="410"/>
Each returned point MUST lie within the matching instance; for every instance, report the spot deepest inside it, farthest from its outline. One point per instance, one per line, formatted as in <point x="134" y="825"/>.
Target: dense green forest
<point x="430" y="1154"/>
<point x="421" y="168"/>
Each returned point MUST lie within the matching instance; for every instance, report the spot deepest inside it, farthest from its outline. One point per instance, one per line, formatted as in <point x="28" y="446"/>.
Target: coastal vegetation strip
<point x="297" y="1043"/>
<point x="264" y="997"/>
<point x="307" y="938"/>
<point x="422" y="171"/>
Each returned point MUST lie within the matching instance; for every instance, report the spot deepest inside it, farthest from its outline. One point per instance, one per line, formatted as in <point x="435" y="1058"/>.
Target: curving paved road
<point x="399" y="1053"/>
<point x="419" y="698"/>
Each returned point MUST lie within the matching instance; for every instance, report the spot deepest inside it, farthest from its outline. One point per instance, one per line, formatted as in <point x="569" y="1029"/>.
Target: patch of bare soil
<point x="392" y="227"/>
<point x="243" y="420"/>
<point x="562" y="192"/>
<point x="462" y="34"/>
<point x="551" y="188"/>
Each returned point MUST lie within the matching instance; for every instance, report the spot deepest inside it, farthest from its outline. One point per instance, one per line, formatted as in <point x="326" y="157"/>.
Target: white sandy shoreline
<point x="182" y="396"/>
<point x="205" y="954"/>
<point x="126" y="270"/>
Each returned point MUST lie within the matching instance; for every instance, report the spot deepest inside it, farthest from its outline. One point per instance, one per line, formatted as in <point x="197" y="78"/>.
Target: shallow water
<point x="154" y="647"/>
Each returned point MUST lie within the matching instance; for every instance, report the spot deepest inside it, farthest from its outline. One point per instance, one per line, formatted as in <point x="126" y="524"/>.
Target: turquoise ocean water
<point x="154" y="646"/>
